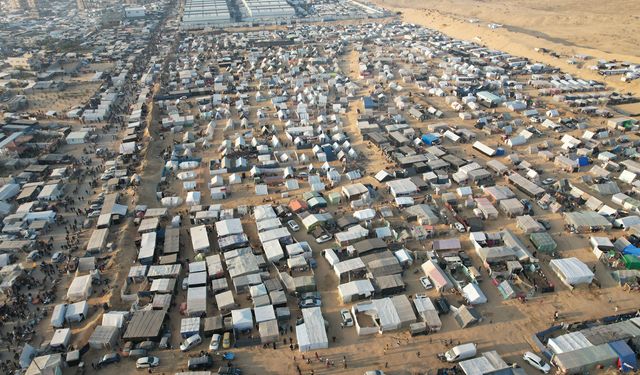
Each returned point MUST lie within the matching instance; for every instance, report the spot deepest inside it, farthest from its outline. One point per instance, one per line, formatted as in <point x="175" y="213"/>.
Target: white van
<point x="190" y="343"/>
<point x="460" y="352"/>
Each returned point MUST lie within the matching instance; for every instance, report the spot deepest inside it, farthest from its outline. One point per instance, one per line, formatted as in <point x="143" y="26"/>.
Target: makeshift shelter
<point x="437" y="276"/>
<point x="585" y="360"/>
<point x="543" y="242"/>
<point x="355" y="290"/>
<point x="528" y="224"/>
<point x="473" y="294"/>
<point x="77" y="312"/>
<point x="269" y="331"/>
<point x="465" y="316"/>
<point x="572" y="271"/>
<point x="242" y="319"/>
<point x="61" y="338"/>
<point x="189" y="327"/>
<point x="50" y="364"/>
<point x="80" y="288"/>
<point x="104" y="337"/>
<point x="312" y="333"/>
<point x="197" y="300"/>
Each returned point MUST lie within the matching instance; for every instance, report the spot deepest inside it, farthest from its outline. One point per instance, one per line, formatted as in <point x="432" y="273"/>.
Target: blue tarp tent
<point x="368" y="102"/>
<point x="583" y="161"/>
<point x="631" y="250"/>
<point x="500" y="151"/>
<point x="430" y="139"/>
<point x="626" y="357"/>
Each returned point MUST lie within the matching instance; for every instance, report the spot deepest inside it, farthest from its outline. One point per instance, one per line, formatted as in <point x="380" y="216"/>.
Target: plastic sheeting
<point x="572" y="271"/>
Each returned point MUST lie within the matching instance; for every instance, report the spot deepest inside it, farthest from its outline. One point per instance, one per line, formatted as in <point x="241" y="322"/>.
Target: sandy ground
<point x="568" y="27"/>
<point x="506" y="327"/>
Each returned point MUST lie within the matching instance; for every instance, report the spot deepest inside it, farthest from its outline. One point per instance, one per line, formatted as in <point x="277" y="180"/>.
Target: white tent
<point x="193" y="198"/>
<point x="80" y="288"/>
<point x="264" y="313"/>
<point x="199" y="239"/>
<point x="77" y="312"/>
<point x="572" y="271"/>
<point x="242" y="319"/>
<point x="312" y="334"/>
<point x="225" y="300"/>
<point x="474" y="294"/>
<point x="113" y="319"/>
<point x="197" y="300"/>
<point x="58" y="314"/>
<point x="273" y="250"/>
<point x="61" y="338"/>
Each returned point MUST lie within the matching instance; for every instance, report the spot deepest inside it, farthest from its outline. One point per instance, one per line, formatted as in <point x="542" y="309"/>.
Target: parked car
<point x="146" y="362"/>
<point x="146" y="345"/>
<point x="203" y="362"/>
<point x="229" y="371"/>
<point x="215" y="342"/>
<point x="466" y="259"/>
<point x="190" y="343"/>
<point x="548" y="181"/>
<point x="94" y="214"/>
<point x="226" y="340"/>
<point x="310" y="302"/>
<point x="138" y="353"/>
<point x="426" y="283"/>
<point x="57" y="257"/>
<point x="108" y="359"/>
<point x="528" y="207"/>
<point x="374" y="372"/>
<point x="545" y="223"/>
<point x="324" y="238"/>
<point x="95" y="206"/>
<point x="293" y="225"/>
<point x="164" y="342"/>
<point x="459" y="227"/>
<point x="442" y="305"/>
<point x="347" y="319"/>
<point x="34" y="255"/>
<point x="536" y="362"/>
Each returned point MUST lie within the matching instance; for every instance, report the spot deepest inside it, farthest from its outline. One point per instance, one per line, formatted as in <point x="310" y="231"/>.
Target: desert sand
<point x="603" y="30"/>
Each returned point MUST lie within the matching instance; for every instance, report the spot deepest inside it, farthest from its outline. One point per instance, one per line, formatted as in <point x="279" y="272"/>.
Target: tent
<point x="104" y="337"/>
<point x="225" y="300"/>
<point x="242" y="319"/>
<point x="543" y="242"/>
<point x="269" y="331"/>
<point x="58" y="314"/>
<point x="439" y="279"/>
<point x="572" y="271"/>
<point x="197" y="300"/>
<point x="50" y="364"/>
<point x="312" y="334"/>
<point x="474" y="294"/>
<point x="80" y="288"/>
<point x="77" y="312"/>
<point x="627" y="360"/>
<point x="61" y="338"/>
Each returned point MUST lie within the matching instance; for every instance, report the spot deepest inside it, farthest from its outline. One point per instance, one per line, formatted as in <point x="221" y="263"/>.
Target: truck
<point x="459" y="353"/>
